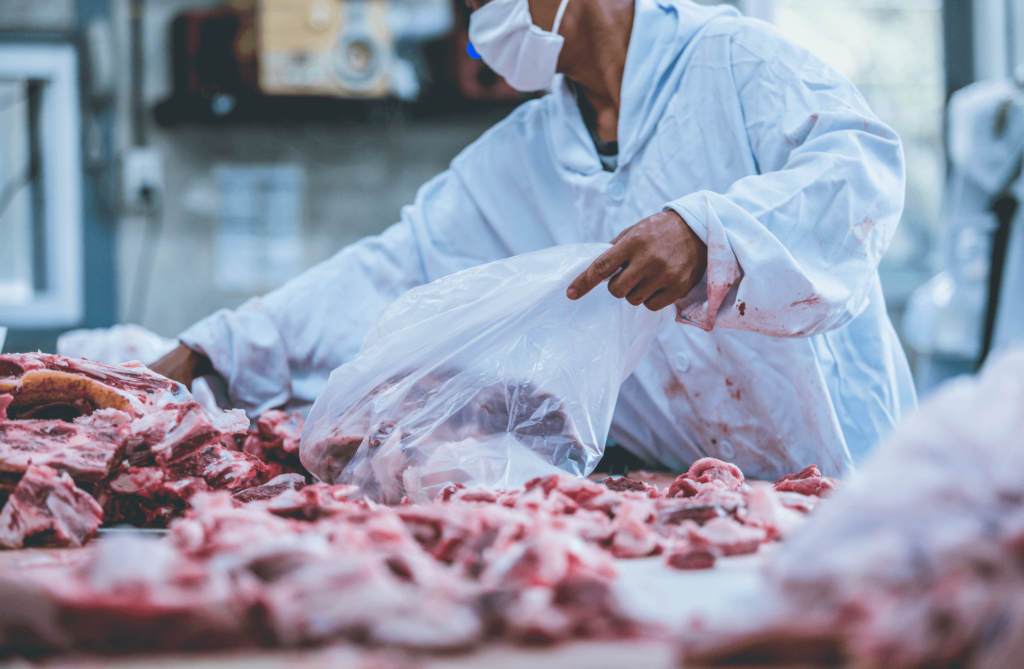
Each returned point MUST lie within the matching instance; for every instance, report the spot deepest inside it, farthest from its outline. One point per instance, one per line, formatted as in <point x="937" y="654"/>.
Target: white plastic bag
<point x="490" y="376"/>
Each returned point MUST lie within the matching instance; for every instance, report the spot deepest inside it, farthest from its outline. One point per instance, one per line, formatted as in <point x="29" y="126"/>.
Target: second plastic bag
<point x="490" y="376"/>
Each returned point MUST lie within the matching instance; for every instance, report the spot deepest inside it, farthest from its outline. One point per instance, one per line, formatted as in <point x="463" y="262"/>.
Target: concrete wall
<point x="357" y="179"/>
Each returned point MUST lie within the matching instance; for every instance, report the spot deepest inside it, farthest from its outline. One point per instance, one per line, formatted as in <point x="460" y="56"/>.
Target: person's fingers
<point x="643" y="291"/>
<point x="660" y="299"/>
<point x="624" y="282"/>
<point x="603" y="267"/>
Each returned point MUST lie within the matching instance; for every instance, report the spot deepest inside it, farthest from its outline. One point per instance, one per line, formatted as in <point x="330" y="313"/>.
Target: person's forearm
<point x="183" y="365"/>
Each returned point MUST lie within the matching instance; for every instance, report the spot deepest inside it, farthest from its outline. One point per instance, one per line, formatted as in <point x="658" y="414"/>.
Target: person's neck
<point x="597" y="36"/>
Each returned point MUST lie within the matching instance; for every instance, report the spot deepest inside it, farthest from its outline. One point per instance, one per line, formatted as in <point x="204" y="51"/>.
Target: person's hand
<point x="661" y="260"/>
<point x="183" y="365"/>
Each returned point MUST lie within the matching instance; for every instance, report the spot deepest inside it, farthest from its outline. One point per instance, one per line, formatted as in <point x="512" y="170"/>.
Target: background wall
<point x="166" y="270"/>
<point x="357" y="178"/>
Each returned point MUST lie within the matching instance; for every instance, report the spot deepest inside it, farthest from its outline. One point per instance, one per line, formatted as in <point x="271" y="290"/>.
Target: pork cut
<point x="290" y="564"/>
<point x="53" y="386"/>
<point x="105" y="423"/>
<point x="275" y="442"/>
<point x="46" y="509"/>
<point x="87" y="453"/>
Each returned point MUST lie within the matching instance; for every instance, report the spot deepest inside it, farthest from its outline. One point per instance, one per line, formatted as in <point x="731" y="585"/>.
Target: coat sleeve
<point x="281" y="348"/>
<point x="793" y="250"/>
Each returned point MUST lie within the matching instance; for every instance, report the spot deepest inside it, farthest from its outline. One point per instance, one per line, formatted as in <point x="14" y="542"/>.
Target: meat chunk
<point x="221" y="467"/>
<point x="295" y="565"/>
<point x="623" y="484"/>
<point x="271" y="488"/>
<point x="808" y="481"/>
<point x="46" y="509"/>
<point x="177" y="432"/>
<point x="86" y="452"/>
<point x="275" y="441"/>
<point x="134" y="438"/>
<point x="706" y="476"/>
<point x="42" y="380"/>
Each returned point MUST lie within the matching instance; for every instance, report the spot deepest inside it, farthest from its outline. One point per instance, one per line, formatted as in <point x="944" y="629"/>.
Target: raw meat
<point x="69" y="387"/>
<point x="917" y="563"/>
<point x="46" y="509"/>
<point x="177" y="432"/>
<point x="808" y="482"/>
<point x="275" y="441"/>
<point x="272" y="488"/>
<point x="7" y="485"/>
<point x="292" y="565"/>
<point x="707" y="476"/>
<point x="133" y="438"/>
<point x="87" y="453"/>
<point x="623" y="484"/>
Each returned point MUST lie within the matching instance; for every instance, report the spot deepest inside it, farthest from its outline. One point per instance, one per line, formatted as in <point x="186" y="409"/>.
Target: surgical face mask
<point x="504" y="35"/>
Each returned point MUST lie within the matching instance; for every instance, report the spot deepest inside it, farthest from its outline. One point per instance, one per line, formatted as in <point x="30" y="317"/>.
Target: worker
<point x="743" y="183"/>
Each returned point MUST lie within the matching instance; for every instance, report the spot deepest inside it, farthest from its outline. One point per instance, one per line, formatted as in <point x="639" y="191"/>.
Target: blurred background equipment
<point x="229" y="60"/>
<point x="974" y="304"/>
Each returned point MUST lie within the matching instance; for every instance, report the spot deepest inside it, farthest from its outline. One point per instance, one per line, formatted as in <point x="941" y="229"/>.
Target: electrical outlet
<point x="142" y="179"/>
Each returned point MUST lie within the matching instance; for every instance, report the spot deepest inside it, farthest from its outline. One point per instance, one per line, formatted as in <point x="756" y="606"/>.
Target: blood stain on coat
<point x="674" y="387"/>
<point x="812" y="301"/>
<point x="743" y="308"/>
<point x="863" y="229"/>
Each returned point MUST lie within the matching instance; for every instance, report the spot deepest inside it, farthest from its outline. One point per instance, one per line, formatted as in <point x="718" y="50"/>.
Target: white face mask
<point x="503" y="33"/>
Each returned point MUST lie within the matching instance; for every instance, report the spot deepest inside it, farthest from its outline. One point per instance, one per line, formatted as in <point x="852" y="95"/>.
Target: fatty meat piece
<point x="177" y="432"/>
<point x="277" y="433"/>
<point x="809" y="481"/>
<point x="100" y="422"/>
<point x="705" y="476"/>
<point x="271" y="488"/>
<point x="623" y="484"/>
<point x="46" y="509"/>
<point x="138" y="594"/>
<point x="275" y="441"/>
<point x="313" y="564"/>
<point x="222" y="468"/>
<point x="633" y="533"/>
<point x="86" y="452"/>
<point x="71" y="386"/>
<point x="312" y="502"/>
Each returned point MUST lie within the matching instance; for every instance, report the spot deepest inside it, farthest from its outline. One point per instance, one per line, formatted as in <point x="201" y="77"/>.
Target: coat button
<point x="726" y="449"/>
<point x="682" y="362"/>
<point x="616" y="191"/>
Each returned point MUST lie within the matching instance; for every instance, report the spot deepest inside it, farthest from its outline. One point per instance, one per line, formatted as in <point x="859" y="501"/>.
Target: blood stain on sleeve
<point x="743" y="308"/>
<point x="863" y="229"/>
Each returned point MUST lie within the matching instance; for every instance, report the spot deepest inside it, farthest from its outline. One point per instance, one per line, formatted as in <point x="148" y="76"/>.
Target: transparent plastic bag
<point x="490" y="376"/>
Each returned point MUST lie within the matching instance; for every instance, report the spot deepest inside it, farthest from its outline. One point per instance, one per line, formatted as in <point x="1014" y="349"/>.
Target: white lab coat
<point x="784" y="356"/>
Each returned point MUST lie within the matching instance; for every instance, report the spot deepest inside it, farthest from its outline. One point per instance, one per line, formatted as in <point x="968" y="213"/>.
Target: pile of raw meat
<point x="287" y="564"/>
<point x="920" y="562"/>
<point x="82" y="443"/>
<point x="257" y="556"/>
